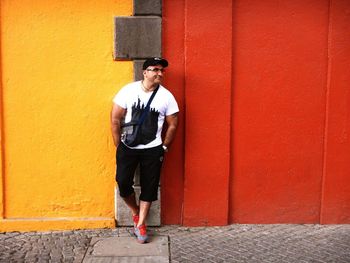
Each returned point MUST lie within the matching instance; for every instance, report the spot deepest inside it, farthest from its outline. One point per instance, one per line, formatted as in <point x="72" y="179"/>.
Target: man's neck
<point x="148" y="86"/>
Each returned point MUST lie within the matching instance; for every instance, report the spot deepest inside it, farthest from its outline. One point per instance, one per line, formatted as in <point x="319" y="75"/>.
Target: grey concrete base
<point x="126" y="249"/>
<point x="123" y="214"/>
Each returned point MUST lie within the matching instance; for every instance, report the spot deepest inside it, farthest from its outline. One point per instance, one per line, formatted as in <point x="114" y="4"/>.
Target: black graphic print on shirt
<point x="149" y="127"/>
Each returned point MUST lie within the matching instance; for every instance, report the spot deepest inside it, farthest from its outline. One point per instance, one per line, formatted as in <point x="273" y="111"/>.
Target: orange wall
<point x="1" y="139"/>
<point x="58" y="81"/>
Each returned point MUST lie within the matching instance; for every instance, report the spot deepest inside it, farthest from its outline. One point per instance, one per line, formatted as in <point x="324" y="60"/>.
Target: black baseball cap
<point x="154" y="62"/>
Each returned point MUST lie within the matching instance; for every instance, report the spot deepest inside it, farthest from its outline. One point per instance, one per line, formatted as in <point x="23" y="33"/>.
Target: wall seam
<point x="2" y="163"/>
<point x="228" y="205"/>
<point x="185" y="114"/>
<point x="231" y="143"/>
<point x="326" y="118"/>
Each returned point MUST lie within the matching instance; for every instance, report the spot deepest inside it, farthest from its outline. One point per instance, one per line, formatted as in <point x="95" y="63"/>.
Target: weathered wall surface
<point x="58" y="80"/>
<point x="266" y="100"/>
<point x="290" y="158"/>
<point x="263" y="90"/>
<point x="280" y="81"/>
<point x="336" y="181"/>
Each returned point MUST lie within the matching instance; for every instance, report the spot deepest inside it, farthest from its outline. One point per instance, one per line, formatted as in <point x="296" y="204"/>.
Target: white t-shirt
<point x="134" y="99"/>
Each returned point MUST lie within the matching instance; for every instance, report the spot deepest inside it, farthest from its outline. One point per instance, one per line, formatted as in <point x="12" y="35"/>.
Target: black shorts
<point x="150" y="161"/>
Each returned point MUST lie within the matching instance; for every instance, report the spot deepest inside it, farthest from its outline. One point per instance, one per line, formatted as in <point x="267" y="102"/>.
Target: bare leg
<point x="144" y="209"/>
<point x="131" y="203"/>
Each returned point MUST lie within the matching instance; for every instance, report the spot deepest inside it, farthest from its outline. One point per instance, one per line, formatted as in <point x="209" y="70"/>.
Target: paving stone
<point x="234" y="243"/>
<point x="126" y="249"/>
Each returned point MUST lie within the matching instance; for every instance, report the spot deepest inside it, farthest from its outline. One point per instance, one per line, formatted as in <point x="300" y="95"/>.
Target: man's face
<point x="154" y="74"/>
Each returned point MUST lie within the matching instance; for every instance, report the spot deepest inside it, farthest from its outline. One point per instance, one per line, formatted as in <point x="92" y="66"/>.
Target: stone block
<point x="126" y="249"/>
<point x="137" y="37"/>
<point x="124" y="217"/>
<point x="147" y="7"/>
<point x="138" y="70"/>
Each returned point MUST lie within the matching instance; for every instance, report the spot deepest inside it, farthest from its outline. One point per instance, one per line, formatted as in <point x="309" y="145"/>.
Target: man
<point x="129" y="104"/>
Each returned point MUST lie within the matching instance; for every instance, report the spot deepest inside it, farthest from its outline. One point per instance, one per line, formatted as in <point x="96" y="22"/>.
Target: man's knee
<point x="127" y="196"/>
<point x="125" y="189"/>
<point x="125" y="193"/>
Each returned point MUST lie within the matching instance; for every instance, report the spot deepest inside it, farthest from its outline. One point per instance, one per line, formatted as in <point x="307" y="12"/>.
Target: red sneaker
<point x="135" y="219"/>
<point x="141" y="234"/>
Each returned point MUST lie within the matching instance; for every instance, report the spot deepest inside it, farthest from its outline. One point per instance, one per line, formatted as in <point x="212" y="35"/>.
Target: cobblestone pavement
<point x="233" y="243"/>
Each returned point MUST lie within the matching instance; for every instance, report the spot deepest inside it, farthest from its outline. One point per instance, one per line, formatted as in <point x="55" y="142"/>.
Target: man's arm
<point x="172" y="121"/>
<point x="117" y="114"/>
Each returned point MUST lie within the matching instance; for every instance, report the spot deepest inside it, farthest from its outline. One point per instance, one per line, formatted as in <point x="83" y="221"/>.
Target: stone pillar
<point x="136" y="38"/>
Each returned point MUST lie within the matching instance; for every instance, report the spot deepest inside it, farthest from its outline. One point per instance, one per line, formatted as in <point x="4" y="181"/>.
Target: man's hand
<point x="172" y="122"/>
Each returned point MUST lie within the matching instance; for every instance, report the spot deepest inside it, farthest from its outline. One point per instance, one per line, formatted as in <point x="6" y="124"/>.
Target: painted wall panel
<point x="279" y="86"/>
<point x="208" y="44"/>
<point x="336" y="188"/>
<point x="2" y="175"/>
<point x="59" y="79"/>
<point x="173" y="33"/>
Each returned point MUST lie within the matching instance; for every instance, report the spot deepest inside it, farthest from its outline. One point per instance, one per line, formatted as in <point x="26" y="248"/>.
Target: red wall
<point x="336" y="184"/>
<point x="280" y="77"/>
<point x="263" y="88"/>
<point x="208" y="56"/>
<point x="173" y="175"/>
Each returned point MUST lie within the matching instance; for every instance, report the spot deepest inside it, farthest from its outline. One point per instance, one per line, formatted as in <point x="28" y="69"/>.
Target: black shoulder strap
<point x="143" y="116"/>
